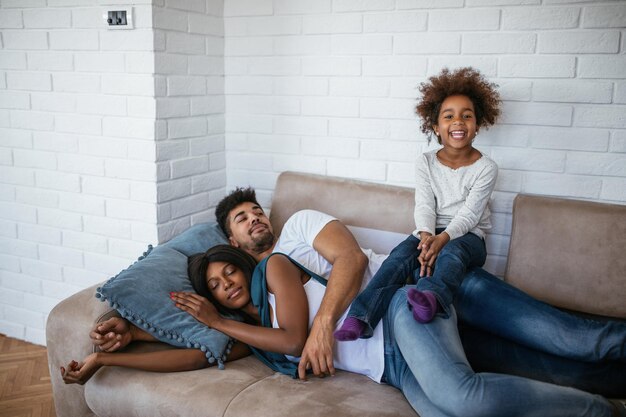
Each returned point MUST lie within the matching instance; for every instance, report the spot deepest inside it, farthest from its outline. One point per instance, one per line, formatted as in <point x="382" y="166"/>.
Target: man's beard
<point x="261" y="243"/>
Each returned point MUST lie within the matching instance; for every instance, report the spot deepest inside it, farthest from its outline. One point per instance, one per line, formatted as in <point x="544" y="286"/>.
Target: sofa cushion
<point x="141" y="293"/>
<point x="245" y="388"/>
<point x="569" y="253"/>
<point x="116" y="391"/>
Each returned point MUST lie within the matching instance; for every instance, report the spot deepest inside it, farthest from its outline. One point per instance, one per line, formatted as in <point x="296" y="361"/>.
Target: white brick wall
<point x="560" y="65"/>
<point x="79" y="143"/>
<point x="110" y="140"/>
<point x="190" y="110"/>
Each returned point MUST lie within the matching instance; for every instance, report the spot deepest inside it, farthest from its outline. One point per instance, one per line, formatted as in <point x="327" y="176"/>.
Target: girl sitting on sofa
<point x="452" y="191"/>
<point x="278" y="300"/>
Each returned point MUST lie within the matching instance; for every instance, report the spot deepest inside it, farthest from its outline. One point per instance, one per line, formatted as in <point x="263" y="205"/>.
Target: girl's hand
<point x="79" y="373"/>
<point x="431" y="248"/>
<point x="423" y="246"/>
<point x="199" y="307"/>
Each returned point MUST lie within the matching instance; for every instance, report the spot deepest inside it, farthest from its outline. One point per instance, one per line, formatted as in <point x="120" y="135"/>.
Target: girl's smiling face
<point x="228" y="285"/>
<point x="456" y="125"/>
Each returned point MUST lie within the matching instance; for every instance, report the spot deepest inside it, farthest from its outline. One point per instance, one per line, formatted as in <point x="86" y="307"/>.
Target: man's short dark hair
<point x="232" y="200"/>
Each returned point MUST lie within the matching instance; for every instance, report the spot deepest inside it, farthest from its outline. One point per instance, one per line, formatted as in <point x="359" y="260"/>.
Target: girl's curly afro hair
<point x="463" y="81"/>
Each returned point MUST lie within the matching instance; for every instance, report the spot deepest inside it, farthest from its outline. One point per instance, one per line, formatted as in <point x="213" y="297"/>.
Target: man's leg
<point x="487" y="303"/>
<point x="434" y="353"/>
<point x="489" y="353"/>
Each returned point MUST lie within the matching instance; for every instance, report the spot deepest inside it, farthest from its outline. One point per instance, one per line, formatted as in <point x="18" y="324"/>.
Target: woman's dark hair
<point x="232" y="200"/>
<point x="463" y="81"/>
<point x="198" y="264"/>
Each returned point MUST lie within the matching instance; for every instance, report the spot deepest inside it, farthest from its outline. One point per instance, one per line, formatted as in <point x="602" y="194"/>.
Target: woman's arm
<point x="173" y="360"/>
<point x="284" y="281"/>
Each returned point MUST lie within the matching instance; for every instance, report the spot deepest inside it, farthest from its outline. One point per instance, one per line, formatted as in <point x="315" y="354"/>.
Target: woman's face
<point x="228" y="285"/>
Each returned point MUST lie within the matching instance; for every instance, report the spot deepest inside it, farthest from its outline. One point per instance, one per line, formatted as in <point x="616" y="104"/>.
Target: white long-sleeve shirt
<point x="454" y="199"/>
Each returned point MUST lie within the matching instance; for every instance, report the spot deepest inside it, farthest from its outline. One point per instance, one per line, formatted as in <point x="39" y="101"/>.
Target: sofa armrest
<point x="67" y="338"/>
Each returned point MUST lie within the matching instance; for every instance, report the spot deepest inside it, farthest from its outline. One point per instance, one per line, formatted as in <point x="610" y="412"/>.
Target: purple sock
<point x="423" y="304"/>
<point x="351" y="329"/>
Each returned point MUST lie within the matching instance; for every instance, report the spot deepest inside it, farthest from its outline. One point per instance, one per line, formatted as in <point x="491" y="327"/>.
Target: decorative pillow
<point x="140" y="293"/>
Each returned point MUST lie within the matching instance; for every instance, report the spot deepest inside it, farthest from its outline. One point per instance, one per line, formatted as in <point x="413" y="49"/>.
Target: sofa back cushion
<point x="570" y="253"/>
<point x="355" y="203"/>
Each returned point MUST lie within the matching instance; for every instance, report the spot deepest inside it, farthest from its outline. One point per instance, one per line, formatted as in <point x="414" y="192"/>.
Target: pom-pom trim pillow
<point x="140" y="293"/>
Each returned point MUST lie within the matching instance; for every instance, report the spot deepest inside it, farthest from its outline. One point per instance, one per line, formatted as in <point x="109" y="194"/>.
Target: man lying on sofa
<point x="324" y="245"/>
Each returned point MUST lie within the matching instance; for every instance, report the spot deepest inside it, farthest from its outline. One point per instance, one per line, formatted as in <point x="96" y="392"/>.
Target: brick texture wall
<point x="190" y="158"/>
<point x="110" y="140"/>
<point x="329" y="87"/>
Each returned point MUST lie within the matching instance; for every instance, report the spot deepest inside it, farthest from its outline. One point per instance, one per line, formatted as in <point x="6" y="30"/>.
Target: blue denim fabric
<point x="489" y="353"/>
<point x="427" y="363"/>
<point x="371" y="304"/>
<point x="505" y="330"/>
<point x="402" y="264"/>
<point x="453" y="261"/>
<point x="487" y="303"/>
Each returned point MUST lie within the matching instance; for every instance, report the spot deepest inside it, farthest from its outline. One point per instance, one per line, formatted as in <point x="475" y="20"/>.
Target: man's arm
<point x="337" y="245"/>
<point x="116" y="333"/>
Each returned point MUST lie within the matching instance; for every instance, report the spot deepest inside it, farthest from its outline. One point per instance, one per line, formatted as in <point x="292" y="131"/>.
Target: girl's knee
<point x="405" y="248"/>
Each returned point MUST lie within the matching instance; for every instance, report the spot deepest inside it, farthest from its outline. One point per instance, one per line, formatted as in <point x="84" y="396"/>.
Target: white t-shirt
<point x="296" y="240"/>
<point x="364" y="356"/>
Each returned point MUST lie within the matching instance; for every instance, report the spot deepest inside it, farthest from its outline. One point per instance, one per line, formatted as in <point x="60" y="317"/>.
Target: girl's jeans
<point x="427" y="363"/>
<point x="450" y="267"/>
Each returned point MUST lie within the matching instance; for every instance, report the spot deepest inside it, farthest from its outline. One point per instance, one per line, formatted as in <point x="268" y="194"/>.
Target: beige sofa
<point x="569" y="253"/>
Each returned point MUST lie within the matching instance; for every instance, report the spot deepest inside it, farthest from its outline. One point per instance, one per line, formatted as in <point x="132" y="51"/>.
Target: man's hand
<point x="112" y="334"/>
<point x="318" y="351"/>
<point x="338" y="246"/>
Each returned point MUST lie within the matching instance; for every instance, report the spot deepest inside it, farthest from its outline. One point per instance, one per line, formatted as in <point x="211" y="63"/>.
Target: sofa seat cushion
<point x="244" y="386"/>
<point x="345" y="394"/>
<point x="120" y="392"/>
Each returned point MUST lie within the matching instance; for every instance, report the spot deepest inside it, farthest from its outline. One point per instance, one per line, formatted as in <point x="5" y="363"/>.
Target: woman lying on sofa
<point x="278" y="300"/>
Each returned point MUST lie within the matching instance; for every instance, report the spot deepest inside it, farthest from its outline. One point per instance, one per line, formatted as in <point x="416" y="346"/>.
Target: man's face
<point x="250" y="229"/>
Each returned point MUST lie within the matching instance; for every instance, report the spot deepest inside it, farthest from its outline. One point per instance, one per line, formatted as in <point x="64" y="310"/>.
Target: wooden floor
<point x="25" y="389"/>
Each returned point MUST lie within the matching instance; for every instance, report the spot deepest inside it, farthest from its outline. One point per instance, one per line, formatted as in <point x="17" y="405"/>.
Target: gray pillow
<point x="140" y="293"/>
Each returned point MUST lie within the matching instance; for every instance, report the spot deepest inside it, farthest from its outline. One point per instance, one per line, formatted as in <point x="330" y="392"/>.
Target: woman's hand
<point x="199" y="307"/>
<point x="79" y="373"/>
<point x="112" y="334"/>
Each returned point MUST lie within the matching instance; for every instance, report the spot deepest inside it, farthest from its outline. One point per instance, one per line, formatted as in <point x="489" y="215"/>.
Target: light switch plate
<point x="115" y="12"/>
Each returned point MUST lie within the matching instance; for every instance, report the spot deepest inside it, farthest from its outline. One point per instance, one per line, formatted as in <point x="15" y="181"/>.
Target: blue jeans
<point x="428" y="364"/>
<point x="505" y="330"/>
<point x="489" y="353"/>
<point x="452" y="262"/>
